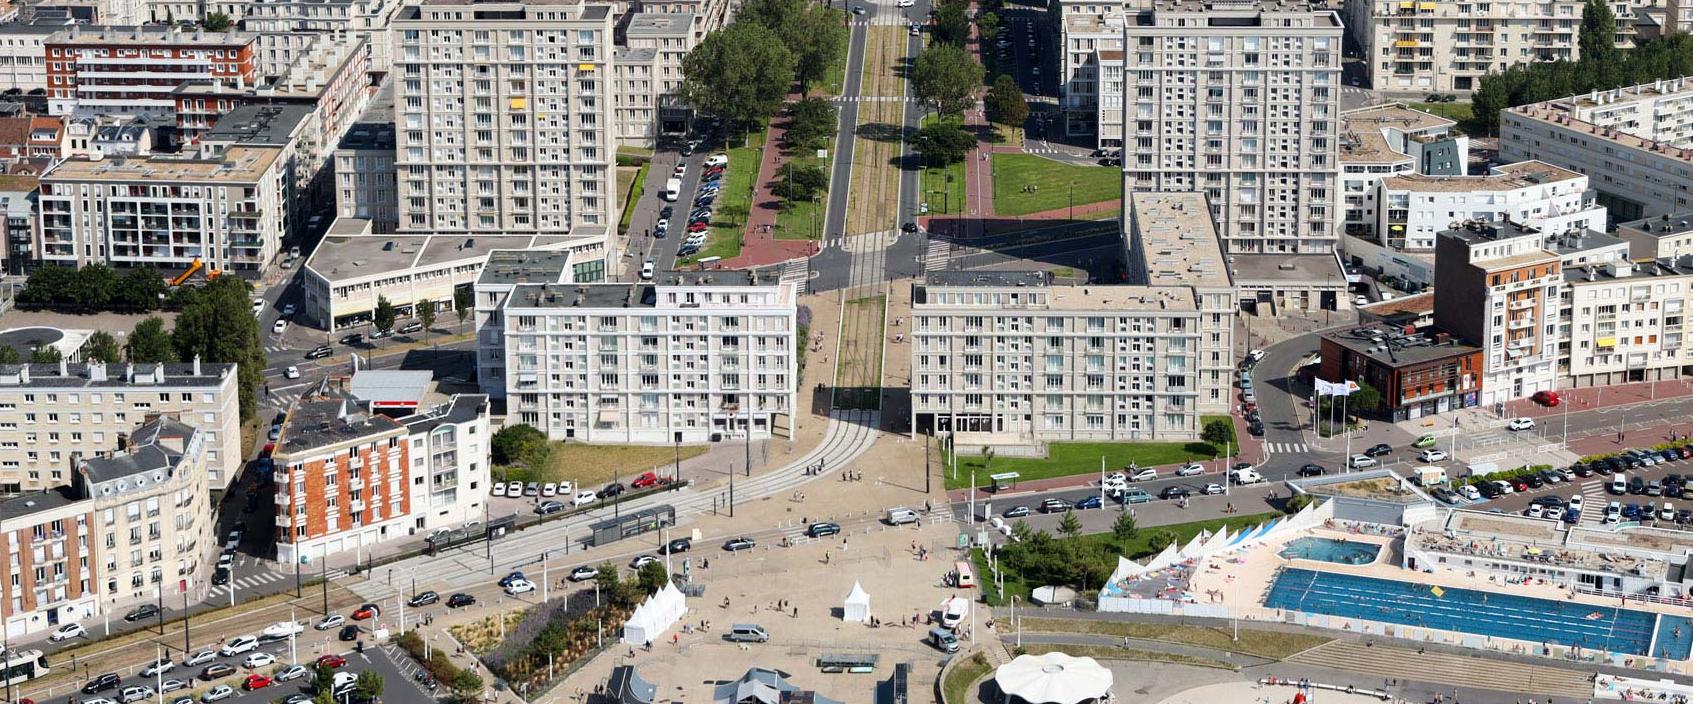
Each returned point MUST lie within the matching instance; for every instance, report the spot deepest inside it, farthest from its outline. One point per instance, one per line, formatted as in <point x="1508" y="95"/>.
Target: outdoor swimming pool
<point x="1479" y="613"/>
<point x="1332" y="550"/>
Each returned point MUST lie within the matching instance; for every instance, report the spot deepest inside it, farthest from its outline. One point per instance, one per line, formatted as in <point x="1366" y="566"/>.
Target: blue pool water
<point x="1479" y="613"/>
<point x="1675" y="635"/>
<point x="1330" y="550"/>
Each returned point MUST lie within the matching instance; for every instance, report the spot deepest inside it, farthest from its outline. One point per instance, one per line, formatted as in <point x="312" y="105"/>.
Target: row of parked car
<point x="699" y="219"/>
<point x="581" y="497"/>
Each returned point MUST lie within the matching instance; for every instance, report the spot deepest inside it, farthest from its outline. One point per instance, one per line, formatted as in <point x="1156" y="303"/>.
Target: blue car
<point x="515" y="576"/>
<point x="1631" y="512"/>
<point x="1089" y="502"/>
<point x="1572" y="515"/>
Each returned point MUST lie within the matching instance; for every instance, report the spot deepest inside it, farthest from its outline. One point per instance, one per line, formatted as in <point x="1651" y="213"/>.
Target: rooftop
<point x="626" y="55"/>
<point x="1612" y="271"/>
<point x="1520" y="538"/>
<point x="1321" y="270"/>
<point x="1508" y="177"/>
<point x="1389" y="346"/>
<point x="320" y="422"/>
<point x="1239" y="13"/>
<point x="525" y="266"/>
<point x="29" y="504"/>
<point x="636" y="295"/>
<point x="262" y="125"/>
<point x="239" y="164"/>
<point x="1176" y="241"/>
<point x="1484" y="232"/>
<point x="987" y="279"/>
<point x="1364" y="137"/>
<point x="463" y="408"/>
<point x="149" y="35"/>
<point x="148" y="451"/>
<point x="660" y="23"/>
<point x="113" y="376"/>
<point x="347" y="253"/>
<point x="1567" y="114"/>
<point x="1666" y="225"/>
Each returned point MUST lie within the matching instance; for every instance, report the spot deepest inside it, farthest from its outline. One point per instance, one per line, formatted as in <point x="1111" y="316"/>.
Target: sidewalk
<point x="1594" y="397"/>
<point x="759" y="246"/>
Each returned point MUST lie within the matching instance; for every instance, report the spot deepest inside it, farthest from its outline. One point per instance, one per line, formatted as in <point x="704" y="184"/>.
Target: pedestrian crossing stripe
<point x="1285" y="447"/>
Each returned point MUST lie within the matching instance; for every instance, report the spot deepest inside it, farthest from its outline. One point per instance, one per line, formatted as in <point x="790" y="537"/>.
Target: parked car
<point x="141" y="612"/>
<point x="1190" y="469"/>
<point x="1016" y="512"/>
<point x="367" y="611"/>
<point x="459" y="600"/>
<point x="239" y="645"/>
<point x="215" y="694"/>
<point x="101" y="683"/>
<point x="547" y="508"/>
<point x="738" y="544"/>
<point x="255" y="661"/>
<point x="216" y="670"/>
<point x="332" y="661"/>
<point x="291" y="673"/>
<point x="1520" y="424"/>
<point x="1054" y="506"/>
<point x="1175" y="492"/>
<point x="1546" y="398"/>
<point x="1361" y="461"/>
<point x="818" y="530"/>
<point x="329" y="621"/>
<point x="583" y="574"/>
<point x="1130" y="496"/>
<point x="1432" y="455"/>
<point x="67" y="632"/>
<point x="423" y="599"/>
<point x="1144" y="475"/>
<point x="1089" y="502"/>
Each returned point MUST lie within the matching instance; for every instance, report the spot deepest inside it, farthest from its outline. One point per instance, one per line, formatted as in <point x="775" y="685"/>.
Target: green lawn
<point x="1275" y="645"/>
<point x="1112" y="652"/>
<point x="955" y="690"/>
<point x="803" y="220"/>
<point x="1054" y="182"/>
<point x="729" y="214"/>
<point x="942" y="186"/>
<point x="1463" y="113"/>
<point x="1138" y="547"/>
<point x="1066" y="458"/>
<point x="834" y="80"/>
<point x="632" y="184"/>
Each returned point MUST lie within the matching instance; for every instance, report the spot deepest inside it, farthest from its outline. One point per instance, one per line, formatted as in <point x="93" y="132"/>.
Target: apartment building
<point x="153" y="512"/>
<point x="688" y="357"/>
<point x="1635" y="144"/>
<point x="1667" y="236"/>
<point x="525" y="144"/>
<point x="1171" y="242"/>
<point x="52" y="415"/>
<point x="23" y="54"/>
<point x="53" y="570"/>
<point x="117" y="13"/>
<point x="223" y="207"/>
<point x="1091" y="34"/>
<point x="1418" y="372"/>
<point x="708" y="15"/>
<point x="365" y="19"/>
<point x="1387" y="140"/>
<point x="450" y="462"/>
<point x="1415" y="208"/>
<point x="342" y="480"/>
<point x="326" y="72"/>
<point x="18" y="207"/>
<point x="1238" y="100"/>
<point x="1449" y="46"/>
<point x="365" y="178"/>
<point x="648" y="68"/>
<point x="1498" y="286"/>
<point x="133" y="70"/>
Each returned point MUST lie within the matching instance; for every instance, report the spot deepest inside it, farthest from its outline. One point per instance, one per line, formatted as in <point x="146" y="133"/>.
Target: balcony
<point x="1522" y="304"/>
<point x="282" y="498"/>
<point x="357" y="506"/>
<point x="355" y="483"/>
<point x="283" y="521"/>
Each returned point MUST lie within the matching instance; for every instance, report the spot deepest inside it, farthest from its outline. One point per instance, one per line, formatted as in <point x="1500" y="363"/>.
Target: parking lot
<point x="1596" y="497"/>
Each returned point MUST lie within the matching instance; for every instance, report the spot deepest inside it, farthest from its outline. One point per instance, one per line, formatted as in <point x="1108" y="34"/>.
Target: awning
<point x="519" y="103"/>
<point x="1606" y="342"/>
<point x="1427" y="5"/>
<point x="609" y="417"/>
<point x="584" y="67"/>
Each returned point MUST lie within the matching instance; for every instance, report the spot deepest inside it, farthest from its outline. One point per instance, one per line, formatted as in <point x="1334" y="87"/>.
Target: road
<point x="394" y="667"/>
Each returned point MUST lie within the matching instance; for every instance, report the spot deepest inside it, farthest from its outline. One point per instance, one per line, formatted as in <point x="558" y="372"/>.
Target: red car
<point x="648" y="479"/>
<point x="1520" y="486"/>
<point x="366" y="611"/>
<point x="698" y="226"/>
<point x="332" y="660"/>
<point x="1548" y="399"/>
<point x="256" y="682"/>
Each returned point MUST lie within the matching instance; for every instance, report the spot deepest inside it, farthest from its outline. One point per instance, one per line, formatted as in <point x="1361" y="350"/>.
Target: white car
<point x="1504" y="487"/>
<point x="565" y="488"/>
<point x="717" y="160"/>
<point x="279" y="327"/>
<point x="514" y="489"/>
<point x="1212" y="489"/>
<point x="1469" y="491"/>
<point x="173" y="684"/>
<point x="1521" y="424"/>
<point x="1359" y="461"/>
<point x="292" y="672"/>
<point x="584" y="497"/>
<point x="1144" y="475"/>
<point x="330" y="621"/>
<point x="1432" y="455"/>
<point x="135" y="694"/>
<point x="292" y="372"/>
<point x="158" y="666"/>
<point x="499" y="488"/>
<point x="283" y="629"/>
<point x="904" y="3"/>
<point x="1613" y="513"/>
<point x="238" y="645"/>
<point x="1535" y="511"/>
<point x="200" y="658"/>
<point x="1575" y="502"/>
<point x="549" y="489"/>
<point x="258" y="305"/>
<point x="521" y="586"/>
<point x="1115" y="483"/>
<point x="258" y="660"/>
<point x="647" y="270"/>
<point x="220" y="692"/>
<point x="1190" y="469"/>
<point x="67" y="632"/>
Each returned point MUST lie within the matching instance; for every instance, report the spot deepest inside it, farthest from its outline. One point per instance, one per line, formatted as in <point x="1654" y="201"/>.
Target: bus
<point x="22" y="666"/>
<point x="672" y="189"/>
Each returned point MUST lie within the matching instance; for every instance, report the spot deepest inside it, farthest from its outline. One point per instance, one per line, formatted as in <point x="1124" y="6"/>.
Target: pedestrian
<point x="796" y="612"/>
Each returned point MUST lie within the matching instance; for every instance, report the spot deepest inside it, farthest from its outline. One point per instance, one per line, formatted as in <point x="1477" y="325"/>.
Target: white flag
<point x="1337" y="388"/>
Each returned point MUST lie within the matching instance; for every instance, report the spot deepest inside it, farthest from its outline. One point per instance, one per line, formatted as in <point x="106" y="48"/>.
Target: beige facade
<point x="649" y="72"/>
<point x="1091" y="32"/>
<point x="1429" y="46"/>
<point x="153" y="525"/>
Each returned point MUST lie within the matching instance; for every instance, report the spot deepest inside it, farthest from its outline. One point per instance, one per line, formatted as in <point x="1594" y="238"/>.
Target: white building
<point x="1091" y="34"/>
<point x="504" y="123"/>
<point x="648" y="68"/>
<point x="1428" y="46"/>
<point x="449" y="453"/>
<point x="1386" y="140"/>
<point x="23" y="55"/>
<point x="1498" y="285"/>
<point x="1414" y="208"/>
<point x="685" y="358"/>
<point x="368" y="19"/>
<point x="1239" y="101"/>
<point x="1635" y="144"/>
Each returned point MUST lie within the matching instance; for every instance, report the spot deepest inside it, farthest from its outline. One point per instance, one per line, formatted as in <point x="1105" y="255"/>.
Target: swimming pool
<point x="1479" y="613"/>
<point x="1342" y="552"/>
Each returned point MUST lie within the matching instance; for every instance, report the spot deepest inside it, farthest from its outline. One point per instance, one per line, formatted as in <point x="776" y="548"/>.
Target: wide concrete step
<point x="1458" y="670"/>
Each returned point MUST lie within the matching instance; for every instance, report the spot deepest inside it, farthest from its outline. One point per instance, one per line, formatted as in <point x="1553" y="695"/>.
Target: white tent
<point x="1053" y="678"/>
<point x="857" y="606"/>
<point x="655" y="616"/>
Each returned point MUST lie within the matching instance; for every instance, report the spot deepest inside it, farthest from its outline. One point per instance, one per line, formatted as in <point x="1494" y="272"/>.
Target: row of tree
<point x="99" y="287"/>
<point x="743" y="72"/>
<point x="1601" y="67"/>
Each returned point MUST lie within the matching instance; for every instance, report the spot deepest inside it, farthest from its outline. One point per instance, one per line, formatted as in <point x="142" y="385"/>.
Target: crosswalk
<point x="1593" y="502"/>
<point x="937" y="254"/>
<point x="284" y="398"/>
<point x="252" y="581"/>
<point x="874" y="99"/>
<point x="796" y="271"/>
<point x="1285" y="448"/>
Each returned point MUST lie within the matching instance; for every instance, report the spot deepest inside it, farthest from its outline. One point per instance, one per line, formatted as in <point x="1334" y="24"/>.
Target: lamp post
<point x="1072" y="200"/>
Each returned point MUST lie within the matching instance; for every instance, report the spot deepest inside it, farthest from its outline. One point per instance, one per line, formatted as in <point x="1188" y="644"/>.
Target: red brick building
<point x="56" y="579"/>
<point x="342" y="480"/>
<point x="130" y="70"/>
<point x="1418" y="372"/>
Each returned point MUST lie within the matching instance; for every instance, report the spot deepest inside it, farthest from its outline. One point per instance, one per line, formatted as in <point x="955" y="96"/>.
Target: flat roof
<point x="349" y="254"/>
<point x="1389" y="346"/>
<point x="1177" y="241"/>
<point x="659" y="23"/>
<point x="630" y="295"/>
<point x="1666" y="225"/>
<point x="645" y="54"/>
<point x="462" y="408"/>
<point x="988" y="279"/>
<point x="29" y="504"/>
<point x="239" y="164"/>
<point x="1490" y="232"/>
<point x="268" y="125"/>
<point x="321" y="422"/>
<point x="1508" y="177"/>
<point x="1313" y="269"/>
<point x="390" y="386"/>
<point x="1364" y="131"/>
<point x="148" y="35"/>
<point x="525" y="266"/>
<point x="140" y="377"/>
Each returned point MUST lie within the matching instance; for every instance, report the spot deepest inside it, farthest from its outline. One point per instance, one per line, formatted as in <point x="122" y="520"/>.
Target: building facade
<point x="1239" y="101"/>
<point x="52" y="565"/>
<point x="23" y="54"/>
<point x="450" y="462"/>
<point x="1415" y="208"/>
<point x="686" y="358"/>
<point x="1091" y="34"/>
<point x="343" y="480"/>
<point x="367" y="19"/>
<point x="522" y="144"/>
<point x="1390" y="140"/>
<point x="1448" y="46"/>
<point x="1418" y="373"/>
<point x="132" y="70"/>
<point x="1498" y="286"/>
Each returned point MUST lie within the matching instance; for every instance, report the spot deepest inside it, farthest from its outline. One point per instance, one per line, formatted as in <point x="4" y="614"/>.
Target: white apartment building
<point x="364" y="172"/>
<point x="1415" y="208"/>
<point x="707" y="15"/>
<point x="1172" y="242"/>
<point x="1627" y="321"/>
<point x="1238" y="101"/>
<point x="450" y="461"/>
<point x="688" y="357"/>
<point x="504" y="125"/>
<point x="223" y="207"/>
<point x="1386" y="140"/>
<point x="648" y="68"/>
<point x="153" y="512"/>
<point x="52" y="415"/>
<point x="1498" y="285"/>
<point x="23" y="55"/>
<point x="1091" y="34"/>
<point x="368" y="19"/>
<point x="1635" y="144"/>
<point x="1448" y="46"/>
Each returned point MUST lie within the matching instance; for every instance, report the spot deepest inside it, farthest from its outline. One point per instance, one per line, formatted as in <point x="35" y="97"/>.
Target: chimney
<point x="64" y="367"/>
<point x="196" y="365"/>
<point x="96" y="371"/>
<point x="129" y="371"/>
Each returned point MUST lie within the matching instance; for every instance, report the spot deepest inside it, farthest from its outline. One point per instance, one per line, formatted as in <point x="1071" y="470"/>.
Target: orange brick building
<point x="342" y="480"/>
<point x="1419" y="373"/>
<point x="54" y="578"/>
<point x="134" y="70"/>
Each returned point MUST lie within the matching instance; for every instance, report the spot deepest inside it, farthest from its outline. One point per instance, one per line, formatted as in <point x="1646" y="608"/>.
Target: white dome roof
<point x="1053" y="678"/>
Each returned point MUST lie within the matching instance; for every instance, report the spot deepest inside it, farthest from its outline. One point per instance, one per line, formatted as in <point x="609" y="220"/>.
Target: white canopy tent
<point x="655" y="616"/>
<point x="856" y="609"/>
<point x="1053" y="678"/>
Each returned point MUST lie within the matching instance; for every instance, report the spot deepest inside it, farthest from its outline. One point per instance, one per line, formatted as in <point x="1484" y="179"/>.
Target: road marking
<point x="1285" y="447"/>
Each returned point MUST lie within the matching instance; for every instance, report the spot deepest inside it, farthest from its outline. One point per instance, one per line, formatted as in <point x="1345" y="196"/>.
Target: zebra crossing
<point x="874" y="99"/>
<point x="252" y="580"/>
<point x="1593" y="502"/>
<point x="1285" y="448"/>
<point x="283" y="398"/>
<point x="937" y="254"/>
<point x="796" y="271"/>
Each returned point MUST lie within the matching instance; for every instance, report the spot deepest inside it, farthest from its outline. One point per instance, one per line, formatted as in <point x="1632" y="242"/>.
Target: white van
<point x="943" y="639"/>
<point x="747" y="633"/>
<point x="1245" y="476"/>
<point x="1619" y="484"/>
<point x="900" y="516"/>
<point x="672" y="189"/>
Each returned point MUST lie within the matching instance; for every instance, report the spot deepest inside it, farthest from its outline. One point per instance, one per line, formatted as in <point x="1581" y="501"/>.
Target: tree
<point x="467" y="684"/>
<point x="1366" y="398"/>
<point x="810" y="123"/>
<point x="9" y="355"/>
<point x="219" y="328"/>
<point x="1163" y="538"/>
<point x="806" y="182"/>
<point x="91" y="288"/>
<point x="519" y="445"/>
<point x="46" y="354"/>
<point x="952" y="24"/>
<point x="368" y="686"/>
<point x="814" y="37"/>
<point x="610" y="583"/>
<point x="1070" y="526"/>
<point x="946" y="77"/>
<point x="48" y="285"/>
<point x="1218" y="433"/>
<point x="1598" y="36"/>
<point x="149" y="342"/>
<point x="383" y="317"/>
<point x="323" y="678"/>
<point x="426" y="315"/>
<point x="1297" y="503"/>
<point x="102" y="347"/>
<point x="651" y="577"/>
<point x="1005" y="103"/>
<point x="464" y="301"/>
<point x="943" y="142"/>
<point x="739" y="73"/>
<point x="1124" y="530"/>
<point x="987" y="457"/>
<point x="140" y="289"/>
<point x="217" y="22"/>
<point x="987" y="25"/>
